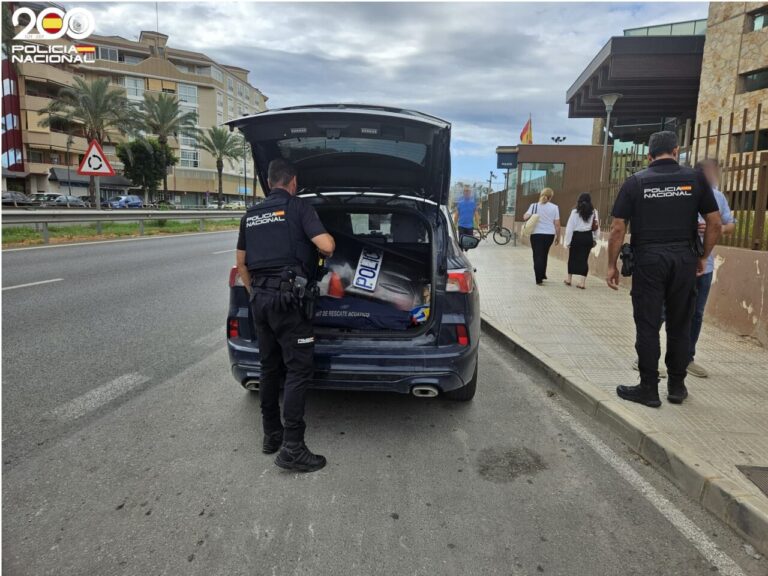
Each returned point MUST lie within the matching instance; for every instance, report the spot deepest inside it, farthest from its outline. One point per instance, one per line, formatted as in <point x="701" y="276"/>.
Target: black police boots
<point x="676" y="392"/>
<point x="643" y="393"/>
<point x="296" y="456"/>
<point x="272" y="442"/>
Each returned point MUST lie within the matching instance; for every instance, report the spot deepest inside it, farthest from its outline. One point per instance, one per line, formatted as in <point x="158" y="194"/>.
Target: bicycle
<point x="501" y="235"/>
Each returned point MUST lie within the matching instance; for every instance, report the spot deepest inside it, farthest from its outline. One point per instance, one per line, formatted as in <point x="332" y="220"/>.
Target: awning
<point x="60" y="174"/>
<point x="658" y="76"/>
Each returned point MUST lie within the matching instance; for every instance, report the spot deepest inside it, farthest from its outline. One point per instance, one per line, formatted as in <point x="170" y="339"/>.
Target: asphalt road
<point x="129" y="449"/>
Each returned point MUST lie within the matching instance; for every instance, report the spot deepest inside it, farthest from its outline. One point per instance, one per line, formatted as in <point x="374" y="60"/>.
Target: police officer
<point x="662" y="203"/>
<point x="277" y="260"/>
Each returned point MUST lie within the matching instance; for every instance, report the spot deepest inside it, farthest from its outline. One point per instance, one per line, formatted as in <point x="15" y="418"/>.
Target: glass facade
<point x="755" y="80"/>
<point x="535" y="176"/>
<point x="688" y="28"/>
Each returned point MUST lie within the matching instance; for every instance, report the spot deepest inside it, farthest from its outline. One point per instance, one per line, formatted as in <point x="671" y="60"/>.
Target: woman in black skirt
<point x="580" y="237"/>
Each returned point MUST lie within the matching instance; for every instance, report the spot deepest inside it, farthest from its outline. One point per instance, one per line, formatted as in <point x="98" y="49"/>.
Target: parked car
<point x="63" y="201"/>
<point x="42" y="198"/>
<point x="379" y="180"/>
<point x="236" y="205"/>
<point x="129" y="201"/>
<point x="17" y="199"/>
<point x="166" y="204"/>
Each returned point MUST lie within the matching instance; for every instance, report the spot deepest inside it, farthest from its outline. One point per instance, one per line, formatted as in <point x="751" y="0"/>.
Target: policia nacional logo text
<point x="668" y="191"/>
<point x="268" y="218"/>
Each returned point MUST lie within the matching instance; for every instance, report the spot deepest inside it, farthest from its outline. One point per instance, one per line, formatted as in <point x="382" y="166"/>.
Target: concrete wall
<point x="738" y="301"/>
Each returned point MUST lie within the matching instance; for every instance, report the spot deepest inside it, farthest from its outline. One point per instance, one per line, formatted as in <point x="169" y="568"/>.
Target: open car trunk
<point x="380" y="278"/>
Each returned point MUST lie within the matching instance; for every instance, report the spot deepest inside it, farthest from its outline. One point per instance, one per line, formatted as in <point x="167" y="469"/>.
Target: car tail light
<point x="460" y="281"/>
<point x="234" y="328"/>
<point x="461" y="335"/>
<point x="234" y="278"/>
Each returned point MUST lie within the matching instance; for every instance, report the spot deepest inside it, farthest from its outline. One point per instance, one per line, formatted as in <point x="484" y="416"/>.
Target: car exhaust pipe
<point x="251" y="384"/>
<point x="424" y="391"/>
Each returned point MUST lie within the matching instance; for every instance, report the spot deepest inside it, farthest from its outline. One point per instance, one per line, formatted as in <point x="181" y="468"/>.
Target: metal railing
<point x="45" y="217"/>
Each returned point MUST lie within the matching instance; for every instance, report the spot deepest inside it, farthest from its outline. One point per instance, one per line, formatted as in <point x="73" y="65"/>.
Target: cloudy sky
<point x="483" y="67"/>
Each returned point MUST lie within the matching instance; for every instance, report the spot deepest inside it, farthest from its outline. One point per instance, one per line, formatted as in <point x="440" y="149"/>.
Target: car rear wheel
<point x="466" y="392"/>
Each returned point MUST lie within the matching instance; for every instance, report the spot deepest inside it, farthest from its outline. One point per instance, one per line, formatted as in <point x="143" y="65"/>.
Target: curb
<point x="741" y="511"/>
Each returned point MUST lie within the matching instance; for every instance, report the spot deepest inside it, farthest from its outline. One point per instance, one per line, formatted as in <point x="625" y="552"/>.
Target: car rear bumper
<point x="391" y="370"/>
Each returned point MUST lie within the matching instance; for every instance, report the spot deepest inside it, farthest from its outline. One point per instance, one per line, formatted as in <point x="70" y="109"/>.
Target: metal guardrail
<point x="45" y="217"/>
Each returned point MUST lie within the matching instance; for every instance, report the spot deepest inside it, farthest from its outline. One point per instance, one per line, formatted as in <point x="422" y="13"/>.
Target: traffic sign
<point x="95" y="162"/>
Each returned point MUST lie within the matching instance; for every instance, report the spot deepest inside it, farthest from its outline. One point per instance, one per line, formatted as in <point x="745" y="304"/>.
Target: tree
<point x="164" y="118"/>
<point x="145" y="161"/>
<point x="222" y="145"/>
<point x="96" y="109"/>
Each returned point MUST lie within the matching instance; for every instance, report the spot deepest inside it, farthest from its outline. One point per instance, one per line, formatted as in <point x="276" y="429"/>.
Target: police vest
<point x="668" y="206"/>
<point x="274" y="238"/>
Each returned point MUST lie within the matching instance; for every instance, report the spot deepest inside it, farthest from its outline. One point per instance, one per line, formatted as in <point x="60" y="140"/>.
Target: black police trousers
<point x="286" y="346"/>
<point x="663" y="289"/>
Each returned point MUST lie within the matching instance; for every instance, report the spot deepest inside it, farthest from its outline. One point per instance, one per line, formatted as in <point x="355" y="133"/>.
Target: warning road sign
<point x="95" y="162"/>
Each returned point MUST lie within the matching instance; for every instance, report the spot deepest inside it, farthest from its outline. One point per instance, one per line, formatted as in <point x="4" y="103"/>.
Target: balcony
<point x="57" y="140"/>
<point x="46" y="72"/>
<point x="35" y="103"/>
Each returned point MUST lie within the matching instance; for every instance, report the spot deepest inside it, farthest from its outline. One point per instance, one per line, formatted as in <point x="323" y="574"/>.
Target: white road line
<point x="215" y="338"/>
<point x="223" y="251"/>
<point x="97" y="397"/>
<point x="680" y="521"/>
<point x="165" y="237"/>
<point x="32" y="284"/>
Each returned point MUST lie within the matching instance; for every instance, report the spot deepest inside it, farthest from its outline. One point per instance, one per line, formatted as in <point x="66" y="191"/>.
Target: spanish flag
<point x="526" y="136"/>
<point x="82" y="49"/>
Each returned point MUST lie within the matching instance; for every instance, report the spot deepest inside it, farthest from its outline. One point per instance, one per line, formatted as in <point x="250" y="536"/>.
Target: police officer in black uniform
<point x="277" y="260"/>
<point x="662" y="203"/>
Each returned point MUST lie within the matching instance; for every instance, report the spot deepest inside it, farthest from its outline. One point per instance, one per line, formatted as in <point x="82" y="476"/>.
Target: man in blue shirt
<point x="711" y="170"/>
<point x="466" y="208"/>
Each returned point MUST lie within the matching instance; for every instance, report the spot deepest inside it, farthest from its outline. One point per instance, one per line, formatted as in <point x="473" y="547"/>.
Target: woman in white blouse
<point x="580" y="237"/>
<point x="546" y="232"/>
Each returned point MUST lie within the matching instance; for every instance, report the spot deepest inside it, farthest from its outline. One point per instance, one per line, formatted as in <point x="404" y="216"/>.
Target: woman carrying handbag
<point x="581" y="235"/>
<point x="544" y="217"/>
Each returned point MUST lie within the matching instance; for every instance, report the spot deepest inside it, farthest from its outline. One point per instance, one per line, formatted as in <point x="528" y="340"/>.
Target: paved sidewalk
<point x="586" y="339"/>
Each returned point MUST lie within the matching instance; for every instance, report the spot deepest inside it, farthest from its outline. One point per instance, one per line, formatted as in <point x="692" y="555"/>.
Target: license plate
<point x="368" y="268"/>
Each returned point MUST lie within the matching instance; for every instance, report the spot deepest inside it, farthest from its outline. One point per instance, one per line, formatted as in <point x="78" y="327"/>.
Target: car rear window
<point x="295" y="149"/>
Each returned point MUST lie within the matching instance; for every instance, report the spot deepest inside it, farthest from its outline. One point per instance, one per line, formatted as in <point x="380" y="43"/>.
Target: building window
<point x="9" y="87"/>
<point x="128" y="59"/>
<point x="230" y="108"/>
<point x="759" y="20"/>
<point x="134" y="87"/>
<point x="535" y="176"/>
<point x="12" y="157"/>
<point x="216" y="74"/>
<point x="106" y="53"/>
<point x="188" y="94"/>
<point x="219" y="118"/>
<point x="35" y="156"/>
<point x="219" y="101"/>
<point x="189" y="158"/>
<point x="746" y="142"/>
<point x="230" y="85"/>
<point x="10" y="122"/>
<point x="755" y="80"/>
<point x="188" y="140"/>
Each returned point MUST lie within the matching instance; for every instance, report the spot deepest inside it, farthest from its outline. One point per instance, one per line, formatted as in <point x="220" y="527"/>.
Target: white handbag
<point x="532" y="222"/>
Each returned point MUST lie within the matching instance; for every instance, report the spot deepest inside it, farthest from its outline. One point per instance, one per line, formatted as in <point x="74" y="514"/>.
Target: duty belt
<point x="267" y="282"/>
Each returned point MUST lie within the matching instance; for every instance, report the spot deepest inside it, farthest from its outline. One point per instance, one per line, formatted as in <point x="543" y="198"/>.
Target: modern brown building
<point x="215" y="91"/>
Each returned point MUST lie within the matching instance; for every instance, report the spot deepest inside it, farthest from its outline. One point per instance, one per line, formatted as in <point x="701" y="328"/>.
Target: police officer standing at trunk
<point x="665" y="256"/>
<point x="277" y="260"/>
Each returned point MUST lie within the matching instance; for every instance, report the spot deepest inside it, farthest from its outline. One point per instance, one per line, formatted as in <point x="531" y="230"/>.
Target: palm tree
<point x="222" y="145"/>
<point x="96" y="109"/>
<point x="164" y="118"/>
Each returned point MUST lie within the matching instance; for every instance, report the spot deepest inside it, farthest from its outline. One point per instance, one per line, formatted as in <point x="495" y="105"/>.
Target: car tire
<point x="466" y="392"/>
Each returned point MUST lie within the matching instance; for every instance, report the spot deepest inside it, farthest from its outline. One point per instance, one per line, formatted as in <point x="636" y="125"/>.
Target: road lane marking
<point x="96" y="398"/>
<point x="223" y="251"/>
<point x="215" y="338"/>
<point x="161" y="237"/>
<point x="32" y="284"/>
<point x="678" y="519"/>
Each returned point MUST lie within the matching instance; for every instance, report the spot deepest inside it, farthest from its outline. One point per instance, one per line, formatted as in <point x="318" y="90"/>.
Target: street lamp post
<point x="609" y="100"/>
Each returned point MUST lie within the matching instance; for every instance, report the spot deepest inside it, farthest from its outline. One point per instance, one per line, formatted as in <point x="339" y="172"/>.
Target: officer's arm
<point x="325" y="244"/>
<point x="242" y="269"/>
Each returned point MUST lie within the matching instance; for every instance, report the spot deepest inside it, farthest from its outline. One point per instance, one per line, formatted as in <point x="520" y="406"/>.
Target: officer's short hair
<point x="280" y="172"/>
<point x="663" y="142"/>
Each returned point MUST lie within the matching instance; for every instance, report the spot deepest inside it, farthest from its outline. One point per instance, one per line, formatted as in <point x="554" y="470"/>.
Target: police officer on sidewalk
<point x="277" y="260"/>
<point x="662" y="204"/>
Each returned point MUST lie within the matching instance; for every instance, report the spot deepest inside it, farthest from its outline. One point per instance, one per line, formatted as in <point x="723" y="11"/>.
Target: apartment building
<point x="215" y="91"/>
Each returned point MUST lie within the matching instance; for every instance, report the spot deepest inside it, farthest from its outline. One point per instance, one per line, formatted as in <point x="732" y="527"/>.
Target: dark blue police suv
<point x="398" y="308"/>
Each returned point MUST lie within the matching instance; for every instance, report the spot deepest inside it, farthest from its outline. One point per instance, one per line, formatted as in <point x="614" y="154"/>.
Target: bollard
<point x="202" y="225"/>
<point x="44" y="227"/>
<point x="141" y="227"/>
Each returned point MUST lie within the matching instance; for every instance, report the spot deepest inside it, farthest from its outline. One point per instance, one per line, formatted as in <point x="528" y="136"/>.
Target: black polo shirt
<point x="662" y="203"/>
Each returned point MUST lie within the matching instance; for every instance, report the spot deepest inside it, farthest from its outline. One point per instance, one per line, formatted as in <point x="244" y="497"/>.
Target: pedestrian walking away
<point x="545" y="233"/>
<point x="277" y="257"/>
<point x="662" y="204"/>
<point x="711" y="170"/>
<point x="581" y="235"/>
<point x="466" y="211"/>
